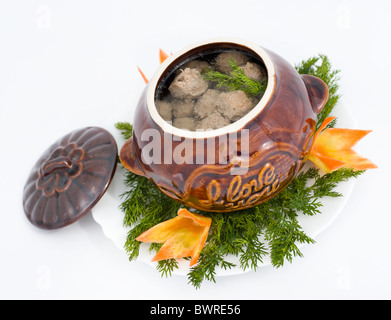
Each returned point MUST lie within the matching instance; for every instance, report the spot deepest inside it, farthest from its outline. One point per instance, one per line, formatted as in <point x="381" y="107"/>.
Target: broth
<point x="188" y="99"/>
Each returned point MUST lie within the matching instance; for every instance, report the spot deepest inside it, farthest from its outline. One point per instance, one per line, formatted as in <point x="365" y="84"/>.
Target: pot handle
<point x="317" y="90"/>
<point x="129" y="160"/>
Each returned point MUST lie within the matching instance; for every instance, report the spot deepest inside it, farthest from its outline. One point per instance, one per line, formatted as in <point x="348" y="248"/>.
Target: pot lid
<point x="70" y="177"/>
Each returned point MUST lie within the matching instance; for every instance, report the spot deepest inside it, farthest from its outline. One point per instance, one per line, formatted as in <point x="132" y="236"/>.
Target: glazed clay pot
<point x="237" y="166"/>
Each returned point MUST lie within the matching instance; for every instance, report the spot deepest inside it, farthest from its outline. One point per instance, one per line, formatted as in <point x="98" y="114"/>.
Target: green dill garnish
<point x="321" y="67"/>
<point x="144" y="206"/>
<point x="237" y="80"/>
<point x="126" y="129"/>
<point x="270" y="229"/>
<point x="166" y="267"/>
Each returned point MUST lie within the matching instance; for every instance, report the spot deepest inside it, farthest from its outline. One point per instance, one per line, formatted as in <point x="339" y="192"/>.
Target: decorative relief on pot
<point x="213" y="188"/>
<point x="242" y="195"/>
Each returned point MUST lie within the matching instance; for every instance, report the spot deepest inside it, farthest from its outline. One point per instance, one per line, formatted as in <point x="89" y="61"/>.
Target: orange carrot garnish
<point x="182" y="236"/>
<point x="332" y="148"/>
<point x="162" y="56"/>
<point x="143" y="75"/>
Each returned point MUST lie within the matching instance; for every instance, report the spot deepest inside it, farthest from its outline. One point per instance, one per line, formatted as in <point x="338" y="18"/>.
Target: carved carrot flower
<point x="162" y="57"/>
<point x="143" y="75"/>
<point x="182" y="236"/>
<point x="332" y="148"/>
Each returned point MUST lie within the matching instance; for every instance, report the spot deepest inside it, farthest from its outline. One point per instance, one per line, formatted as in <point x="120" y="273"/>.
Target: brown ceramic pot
<point x="237" y="166"/>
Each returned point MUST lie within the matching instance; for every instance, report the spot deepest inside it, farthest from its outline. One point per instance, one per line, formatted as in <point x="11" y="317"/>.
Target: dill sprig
<point x="125" y="128"/>
<point x="320" y="66"/>
<point x="144" y="206"/>
<point x="270" y="229"/>
<point x="237" y="80"/>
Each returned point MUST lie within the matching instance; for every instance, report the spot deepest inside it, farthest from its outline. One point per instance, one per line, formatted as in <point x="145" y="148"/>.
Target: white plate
<point x="108" y="214"/>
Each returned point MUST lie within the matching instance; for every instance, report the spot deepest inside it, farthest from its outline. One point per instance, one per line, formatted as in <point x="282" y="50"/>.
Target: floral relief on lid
<point x="70" y="178"/>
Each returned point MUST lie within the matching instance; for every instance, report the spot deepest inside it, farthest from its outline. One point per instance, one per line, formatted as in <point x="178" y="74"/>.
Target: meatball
<point x="182" y="108"/>
<point x="207" y="103"/>
<point x="195" y="64"/>
<point x="254" y="71"/>
<point x="189" y="84"/>
<point x="213" y="121"/>
<point x="186" y="123"/>
<point x="234" y="104"/>
<point x="164" y="108"/>
<point x="222" y="61"/>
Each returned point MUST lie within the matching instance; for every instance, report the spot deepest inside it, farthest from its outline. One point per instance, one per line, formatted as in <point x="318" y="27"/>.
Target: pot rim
<point x="237" y="125"/>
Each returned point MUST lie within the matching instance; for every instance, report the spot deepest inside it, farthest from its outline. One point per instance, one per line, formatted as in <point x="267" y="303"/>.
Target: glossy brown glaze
<point x="70" y="178"/>
<point x="280" y="136"/>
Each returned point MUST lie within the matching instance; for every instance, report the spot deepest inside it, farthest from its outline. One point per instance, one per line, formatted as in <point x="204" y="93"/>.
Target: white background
<point x="70" y="64"/>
